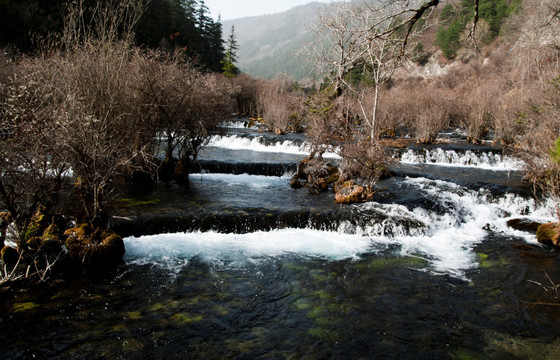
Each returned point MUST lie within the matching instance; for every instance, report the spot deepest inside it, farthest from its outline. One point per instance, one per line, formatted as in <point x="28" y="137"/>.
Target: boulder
<point x="524" y="225"/>
<point x="316" y="174"/>
<point x="547" y="234"/>
<point x="350" y="193"/>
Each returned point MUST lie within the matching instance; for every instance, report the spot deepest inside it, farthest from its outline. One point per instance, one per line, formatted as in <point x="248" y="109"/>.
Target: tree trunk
<point x="374" y="112"/>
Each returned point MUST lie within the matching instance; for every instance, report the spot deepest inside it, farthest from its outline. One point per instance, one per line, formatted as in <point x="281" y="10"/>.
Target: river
<point x="237" y="265"/>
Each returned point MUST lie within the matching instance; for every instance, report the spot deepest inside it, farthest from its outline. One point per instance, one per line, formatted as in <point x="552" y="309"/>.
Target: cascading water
<point x="417" y="231"/>
<point x="259" y="144"/>
<point x="242" y="266"/>
<point x="441" y="157"/>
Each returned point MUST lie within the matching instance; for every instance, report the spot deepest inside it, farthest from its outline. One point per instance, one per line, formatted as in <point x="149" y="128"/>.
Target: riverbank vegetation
<point x="87" y="111"/>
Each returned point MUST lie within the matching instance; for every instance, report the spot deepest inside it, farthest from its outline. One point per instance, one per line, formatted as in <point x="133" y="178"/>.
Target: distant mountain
<point x="268" y="43"/>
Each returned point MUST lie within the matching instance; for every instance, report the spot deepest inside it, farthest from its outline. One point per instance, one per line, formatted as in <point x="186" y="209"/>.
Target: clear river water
<point x="237" y="265"/>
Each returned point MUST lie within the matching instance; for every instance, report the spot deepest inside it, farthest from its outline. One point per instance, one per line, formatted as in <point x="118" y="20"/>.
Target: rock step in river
<point x="243" y="178"/>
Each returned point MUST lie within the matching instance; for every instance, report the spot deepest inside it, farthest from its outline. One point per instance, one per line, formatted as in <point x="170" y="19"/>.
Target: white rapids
<point x="485" y="160"/>
<point x="445" y="240"/>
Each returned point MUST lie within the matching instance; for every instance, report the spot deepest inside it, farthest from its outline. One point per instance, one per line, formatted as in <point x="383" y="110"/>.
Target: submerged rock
<point x="547" y="234"/>
<point x="524" y="225"/>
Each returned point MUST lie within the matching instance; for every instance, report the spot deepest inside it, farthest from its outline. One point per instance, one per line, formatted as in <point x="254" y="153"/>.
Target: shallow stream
<point x="237" y="265"/>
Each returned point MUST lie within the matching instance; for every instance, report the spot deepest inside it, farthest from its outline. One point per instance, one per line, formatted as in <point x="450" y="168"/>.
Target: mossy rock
<point x="94" y="248"/>
<point x="547" y="234"/>
<point x="39" y="222"/>
<point x="52" y="232"/>
<point x="352" y="194"/>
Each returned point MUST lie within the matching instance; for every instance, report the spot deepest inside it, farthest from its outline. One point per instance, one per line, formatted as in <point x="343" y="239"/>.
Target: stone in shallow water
<point x="350" y="193"/>
<point x="524" y="225"/>
<point x="548" y="234"/>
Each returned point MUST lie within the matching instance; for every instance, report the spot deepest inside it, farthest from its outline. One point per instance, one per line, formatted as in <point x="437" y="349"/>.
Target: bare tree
<point x="184" y="104"/>
<point x="31" y="164"/>
<point x="98" y="120"/>
<point x="369" y="38"/>
<point x="279" y="106"/>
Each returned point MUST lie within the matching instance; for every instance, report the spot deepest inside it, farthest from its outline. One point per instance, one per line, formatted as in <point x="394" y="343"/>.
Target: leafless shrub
<point x="247" y="96"/>
<point x="181" y="103"/>
<point x="31" y="164"/>
<point x="420" y="108"/>
<point x="541" y="143"/>
<point x="394" y="113"/>
<point x="99" y="123"/>
<point x="281" y="110"/>
<point x="477" y="100"/>
<point x="509" y="118"/>
<point x="329" y="122"/>
<point x="432" y="115"/>
<point x="363" y="161"/>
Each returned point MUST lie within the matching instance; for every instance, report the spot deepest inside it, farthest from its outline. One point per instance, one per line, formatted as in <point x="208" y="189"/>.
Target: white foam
<point x="238" y="248"/>
<point x="486" y="160"/>
<point x="255" y="181"/>
<point x="234" y="124"/>
<point x="446" y="240"/>
<point x="234" y="142"/>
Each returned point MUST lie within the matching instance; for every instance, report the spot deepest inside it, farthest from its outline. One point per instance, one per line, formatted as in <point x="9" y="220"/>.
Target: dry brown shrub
<point x="394" y="113"/>
<point x="281" y="110"/>
<point x="183" y="104"/>
<point x="363" y="161"/>
<point x="432" y="114"/>
<point x="248" y="94"/>
<point x="32" y="163"/>
<point x="509" y="118"/>
<point x="541" y="141"/>
<point x="418" y="107"/>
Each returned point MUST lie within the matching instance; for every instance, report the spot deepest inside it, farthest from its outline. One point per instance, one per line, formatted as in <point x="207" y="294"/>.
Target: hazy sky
<point x="233" y="9"/>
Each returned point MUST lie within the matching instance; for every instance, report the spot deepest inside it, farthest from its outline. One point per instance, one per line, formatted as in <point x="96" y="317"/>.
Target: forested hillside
<point x="165" y="24"/>
<point x="268" y="44"/>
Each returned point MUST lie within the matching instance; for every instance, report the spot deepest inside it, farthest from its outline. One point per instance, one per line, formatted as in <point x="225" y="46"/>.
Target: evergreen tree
<point x="186" y="25"/>
<point x="228" y="64"/>
<point x="166" y="24"/>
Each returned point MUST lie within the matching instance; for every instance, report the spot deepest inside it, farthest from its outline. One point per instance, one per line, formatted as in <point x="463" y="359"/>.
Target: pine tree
<point x="228" y="63"/>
